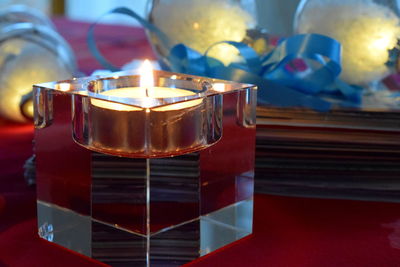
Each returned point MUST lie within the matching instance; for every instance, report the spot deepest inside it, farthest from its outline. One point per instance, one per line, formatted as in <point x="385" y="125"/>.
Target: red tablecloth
<point x="287" y="231"/>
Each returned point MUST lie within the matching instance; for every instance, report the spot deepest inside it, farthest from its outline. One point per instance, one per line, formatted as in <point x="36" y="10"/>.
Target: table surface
<point x="288" y="231"/>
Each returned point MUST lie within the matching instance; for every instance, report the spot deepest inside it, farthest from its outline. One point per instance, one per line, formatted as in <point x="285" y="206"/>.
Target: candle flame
<point x="146" y="77"/>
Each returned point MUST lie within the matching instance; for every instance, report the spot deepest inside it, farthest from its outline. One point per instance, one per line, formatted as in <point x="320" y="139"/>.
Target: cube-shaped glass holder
<point x="133" y="179"/>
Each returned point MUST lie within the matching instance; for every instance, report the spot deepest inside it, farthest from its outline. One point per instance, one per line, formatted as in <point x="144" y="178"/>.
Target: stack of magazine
<point x="343" y="153"/>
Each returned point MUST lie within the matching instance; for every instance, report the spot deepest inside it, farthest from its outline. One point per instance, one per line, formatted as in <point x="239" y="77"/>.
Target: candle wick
<point x="147" y="92"/>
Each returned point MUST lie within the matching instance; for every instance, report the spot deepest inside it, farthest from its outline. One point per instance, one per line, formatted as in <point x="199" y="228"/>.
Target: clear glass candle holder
<point x="135" y="180"/>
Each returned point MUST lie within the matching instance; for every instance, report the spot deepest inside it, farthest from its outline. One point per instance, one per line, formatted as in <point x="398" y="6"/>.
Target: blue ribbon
<point x="281" y="83"/>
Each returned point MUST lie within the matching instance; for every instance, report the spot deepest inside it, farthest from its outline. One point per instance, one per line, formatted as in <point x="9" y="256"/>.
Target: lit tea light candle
<point x="146" y="92"/>
<point x="144" y="130"/>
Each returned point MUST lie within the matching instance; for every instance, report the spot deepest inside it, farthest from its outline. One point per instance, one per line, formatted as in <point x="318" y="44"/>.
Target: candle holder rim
<point x="78" y="87"/>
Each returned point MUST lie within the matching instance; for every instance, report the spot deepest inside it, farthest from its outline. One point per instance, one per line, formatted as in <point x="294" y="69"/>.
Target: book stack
<point x="353" y="154"/>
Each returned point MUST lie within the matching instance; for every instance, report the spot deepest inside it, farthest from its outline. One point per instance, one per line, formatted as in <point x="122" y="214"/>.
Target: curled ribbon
<point x="302" y="71"/>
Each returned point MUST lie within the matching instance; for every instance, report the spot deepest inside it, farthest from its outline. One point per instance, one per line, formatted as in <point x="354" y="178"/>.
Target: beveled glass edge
<point x="78" y="86"/>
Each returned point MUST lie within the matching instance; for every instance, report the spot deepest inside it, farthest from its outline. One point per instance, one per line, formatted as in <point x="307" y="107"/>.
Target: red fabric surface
<point x="287" y="231"/>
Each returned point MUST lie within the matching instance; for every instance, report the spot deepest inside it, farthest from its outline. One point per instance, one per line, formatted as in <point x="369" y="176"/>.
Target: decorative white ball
<point x="23" y="64"/>
<point x="202" y="23"/>
<point x="367" y="31"/>
<point x="31" y="52"/>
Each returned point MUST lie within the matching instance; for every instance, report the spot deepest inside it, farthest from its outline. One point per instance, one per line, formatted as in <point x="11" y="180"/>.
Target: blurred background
<point x="274" y="15"/>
